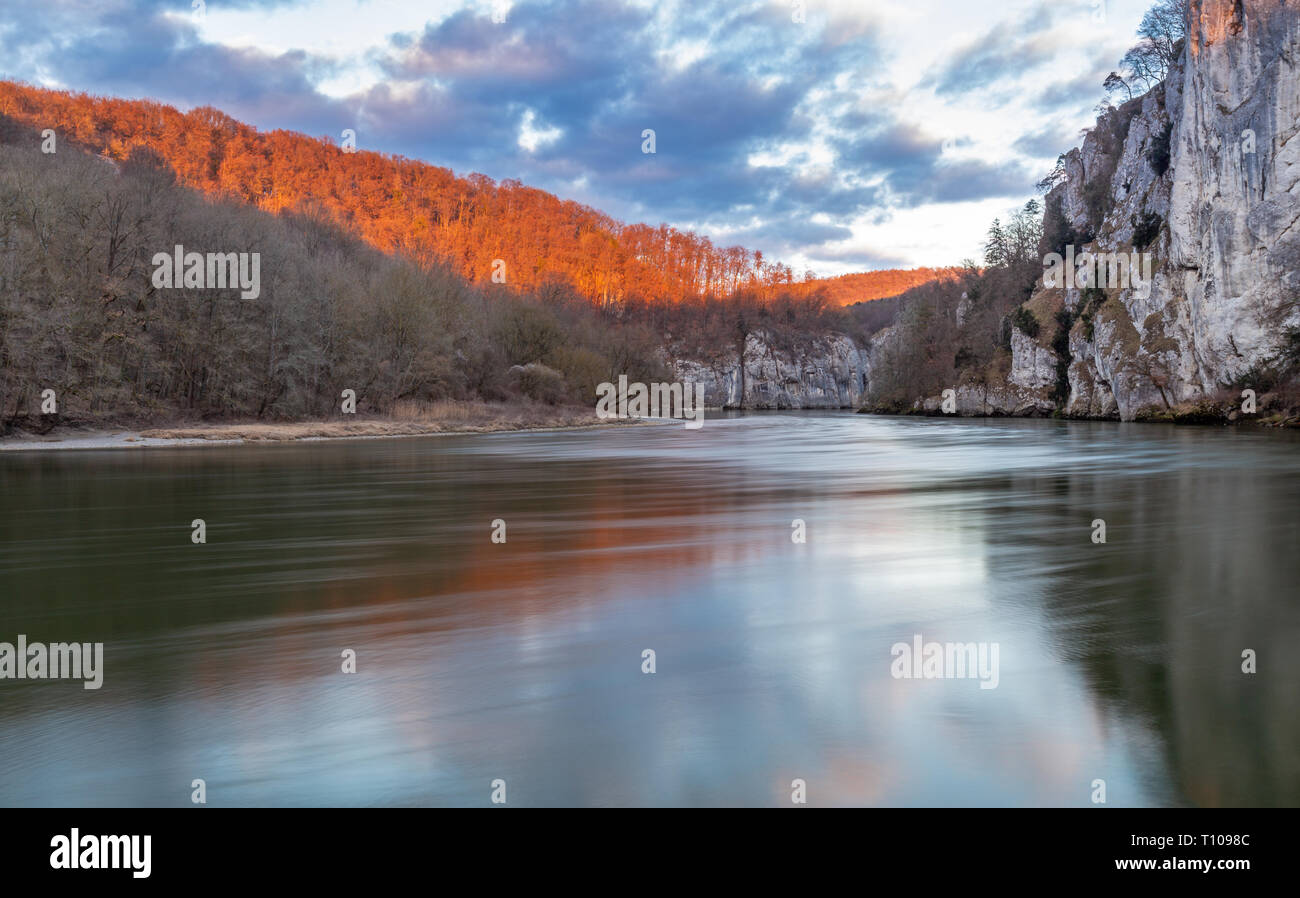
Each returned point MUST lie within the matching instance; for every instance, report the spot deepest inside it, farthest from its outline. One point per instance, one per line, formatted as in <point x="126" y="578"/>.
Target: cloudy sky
<point x="872" y="134"/>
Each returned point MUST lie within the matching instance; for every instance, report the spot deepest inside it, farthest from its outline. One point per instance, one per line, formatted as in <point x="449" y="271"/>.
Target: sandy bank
<point x="468" y="418"/>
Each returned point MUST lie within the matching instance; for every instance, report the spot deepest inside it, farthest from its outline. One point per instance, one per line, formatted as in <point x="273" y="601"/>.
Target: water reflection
<point x="522" y="661"/>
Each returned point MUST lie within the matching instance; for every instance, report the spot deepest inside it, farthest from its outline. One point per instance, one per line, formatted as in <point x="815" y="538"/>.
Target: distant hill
<point x="865" y="286"/>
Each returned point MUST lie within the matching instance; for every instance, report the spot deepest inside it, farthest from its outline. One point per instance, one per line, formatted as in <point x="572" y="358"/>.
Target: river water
<point x="524" y="661"/>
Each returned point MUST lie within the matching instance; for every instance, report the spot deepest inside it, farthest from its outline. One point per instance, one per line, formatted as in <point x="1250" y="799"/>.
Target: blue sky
<point x="871" y="134"/>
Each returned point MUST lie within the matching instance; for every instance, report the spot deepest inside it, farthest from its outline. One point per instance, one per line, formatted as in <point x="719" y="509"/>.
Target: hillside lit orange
<point x="422" y="211"/>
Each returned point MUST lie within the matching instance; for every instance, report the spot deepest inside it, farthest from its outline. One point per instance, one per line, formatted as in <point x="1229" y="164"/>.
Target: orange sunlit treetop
<point x="865" y="286"/>
<point x="401" y="205"/>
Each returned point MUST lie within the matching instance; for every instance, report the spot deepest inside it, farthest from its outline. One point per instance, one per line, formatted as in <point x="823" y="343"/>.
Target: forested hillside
<point x="80" y="313"/>
<point x="402" y="205"/>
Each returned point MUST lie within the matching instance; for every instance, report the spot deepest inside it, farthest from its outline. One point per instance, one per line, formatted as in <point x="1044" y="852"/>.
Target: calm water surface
<point x="523" y="661"/>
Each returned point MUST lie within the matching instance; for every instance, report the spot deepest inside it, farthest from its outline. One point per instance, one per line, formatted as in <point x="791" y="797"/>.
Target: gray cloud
<point x="599" y="72"/>
<point x="1049" y="142"/>
<point x="999" y="56"/>
<point x="865" y="258"/>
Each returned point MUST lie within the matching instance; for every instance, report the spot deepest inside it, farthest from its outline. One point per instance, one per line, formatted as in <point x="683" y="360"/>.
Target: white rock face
<point x="721" y="381"/>
<point x="991" y="400"/>
<point x="1090" y="393"/>
<point x="828" y="372"/>
<point x="1033" y="366"/>
<point x="1228" y="254"/>
<point x="1235" y="215"/>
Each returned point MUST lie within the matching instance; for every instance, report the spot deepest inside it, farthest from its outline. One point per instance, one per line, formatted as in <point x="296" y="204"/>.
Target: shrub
<point x="529" y="333"/>
<point x="536" y="381"/>
<point x="1025" y="321"/>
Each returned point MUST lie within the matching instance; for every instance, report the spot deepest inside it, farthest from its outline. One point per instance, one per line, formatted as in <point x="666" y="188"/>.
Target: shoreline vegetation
<point x="437" y="419"/>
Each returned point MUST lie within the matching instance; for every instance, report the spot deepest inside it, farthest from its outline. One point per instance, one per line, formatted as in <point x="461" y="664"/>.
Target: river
<point x="524" y="661"/>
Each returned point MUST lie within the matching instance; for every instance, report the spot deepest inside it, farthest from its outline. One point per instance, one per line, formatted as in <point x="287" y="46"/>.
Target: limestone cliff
<point x="825" y="372"/>
<point x="1223" y="299"/>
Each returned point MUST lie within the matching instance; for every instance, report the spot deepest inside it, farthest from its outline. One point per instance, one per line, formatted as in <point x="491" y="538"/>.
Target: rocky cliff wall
<point x="1227" y="253"/>
<point x="826" y="372"/>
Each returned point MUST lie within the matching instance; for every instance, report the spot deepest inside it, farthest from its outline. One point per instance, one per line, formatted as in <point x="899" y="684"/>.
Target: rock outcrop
<point x="1033" y="366"/>
<point x="1223" y="221"/>
<point x="825" y="372"/>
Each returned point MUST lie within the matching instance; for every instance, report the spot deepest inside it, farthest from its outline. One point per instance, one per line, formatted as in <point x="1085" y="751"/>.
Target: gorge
<point x="1219" y="213"/>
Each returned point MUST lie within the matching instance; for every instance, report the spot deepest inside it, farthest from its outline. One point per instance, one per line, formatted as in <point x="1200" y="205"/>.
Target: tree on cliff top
<point x="1147" y="63"/>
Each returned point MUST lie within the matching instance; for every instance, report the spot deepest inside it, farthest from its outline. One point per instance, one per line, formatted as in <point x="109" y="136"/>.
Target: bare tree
<point x="1147" y="63"/>
<point x="1114" y="83"/>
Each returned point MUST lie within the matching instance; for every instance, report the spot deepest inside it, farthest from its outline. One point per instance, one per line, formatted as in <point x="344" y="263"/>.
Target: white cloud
<point x="531" y="136"/>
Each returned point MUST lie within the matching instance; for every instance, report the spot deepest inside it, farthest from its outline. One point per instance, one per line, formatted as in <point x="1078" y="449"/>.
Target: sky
<point x="833" y="135"/>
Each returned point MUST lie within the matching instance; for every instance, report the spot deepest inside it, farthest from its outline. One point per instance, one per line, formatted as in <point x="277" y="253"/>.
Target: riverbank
<point x="445" y="418"/>
<point x="1274" y="410"/>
